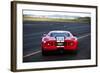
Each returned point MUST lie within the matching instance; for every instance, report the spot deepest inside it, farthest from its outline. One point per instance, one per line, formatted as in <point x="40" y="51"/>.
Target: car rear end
<point x="59" y="43"/>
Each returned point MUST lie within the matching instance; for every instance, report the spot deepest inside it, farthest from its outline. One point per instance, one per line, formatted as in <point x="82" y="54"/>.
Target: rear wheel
<point x="44" y="53"/>
<point x="71" y="51"/>
<point x="75" y="52"/>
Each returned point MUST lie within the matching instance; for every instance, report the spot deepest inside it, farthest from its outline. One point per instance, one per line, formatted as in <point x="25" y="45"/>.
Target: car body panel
<point x="54" y="43"/>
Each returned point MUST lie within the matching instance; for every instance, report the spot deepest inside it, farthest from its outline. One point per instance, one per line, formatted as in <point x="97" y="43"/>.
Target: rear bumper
<point x="70" y="47"/>
<point x="60" y="48"/>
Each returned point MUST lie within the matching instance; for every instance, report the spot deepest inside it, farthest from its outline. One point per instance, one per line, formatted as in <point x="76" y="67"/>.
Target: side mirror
<point x="44" y="34"/>
<point x="74" y="34"/>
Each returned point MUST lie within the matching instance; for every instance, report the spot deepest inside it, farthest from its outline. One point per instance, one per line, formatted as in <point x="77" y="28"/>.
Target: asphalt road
<point x="33" y="31"/>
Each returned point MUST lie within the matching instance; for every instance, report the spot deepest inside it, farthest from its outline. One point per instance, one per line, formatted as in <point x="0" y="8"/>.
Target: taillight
<point x="71" y="43"/>
<point x="50" y="43"/>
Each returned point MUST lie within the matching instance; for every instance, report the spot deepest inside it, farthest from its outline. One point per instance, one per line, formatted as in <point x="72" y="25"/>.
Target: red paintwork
<point x="49" y="43"/>
<point x="47" y="47"/>
<point x="52" y="45"/>
<point x="71" y="47"/>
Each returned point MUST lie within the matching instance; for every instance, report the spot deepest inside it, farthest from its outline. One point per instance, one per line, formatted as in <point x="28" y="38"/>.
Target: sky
<point x="55" y="14"/>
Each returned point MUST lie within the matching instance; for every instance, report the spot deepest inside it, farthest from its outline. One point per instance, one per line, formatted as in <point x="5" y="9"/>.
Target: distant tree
<point x="84" y="19"/>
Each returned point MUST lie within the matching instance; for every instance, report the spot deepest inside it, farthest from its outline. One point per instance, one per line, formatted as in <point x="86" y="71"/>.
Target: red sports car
<point x="59" y="41"/>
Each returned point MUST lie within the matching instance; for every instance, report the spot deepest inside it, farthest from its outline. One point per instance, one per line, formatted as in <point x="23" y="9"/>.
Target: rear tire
<point x="75" y="51"/>
<point x="71" y="52"/>
<point x="44" y="53"/>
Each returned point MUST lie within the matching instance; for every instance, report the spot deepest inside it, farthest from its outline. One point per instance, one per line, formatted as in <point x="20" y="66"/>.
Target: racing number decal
<point x="60" y="39"/>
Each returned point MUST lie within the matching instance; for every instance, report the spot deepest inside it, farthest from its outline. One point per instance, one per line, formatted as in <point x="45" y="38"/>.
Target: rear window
<point x="59" y="34"/>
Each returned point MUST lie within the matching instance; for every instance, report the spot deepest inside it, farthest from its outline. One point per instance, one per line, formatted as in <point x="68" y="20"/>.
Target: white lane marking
<point x="33" y="53"/>
<point x="83" y="36"/>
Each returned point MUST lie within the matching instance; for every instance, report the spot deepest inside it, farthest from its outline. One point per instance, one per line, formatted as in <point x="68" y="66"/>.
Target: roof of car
<point x="59" y="31"/>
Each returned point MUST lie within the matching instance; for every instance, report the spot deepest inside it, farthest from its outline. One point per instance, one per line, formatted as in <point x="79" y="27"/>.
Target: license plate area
<point x="60" y="44"/>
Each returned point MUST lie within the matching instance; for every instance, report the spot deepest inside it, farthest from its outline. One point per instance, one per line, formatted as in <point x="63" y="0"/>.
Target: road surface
<point x="33" y="31"/>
